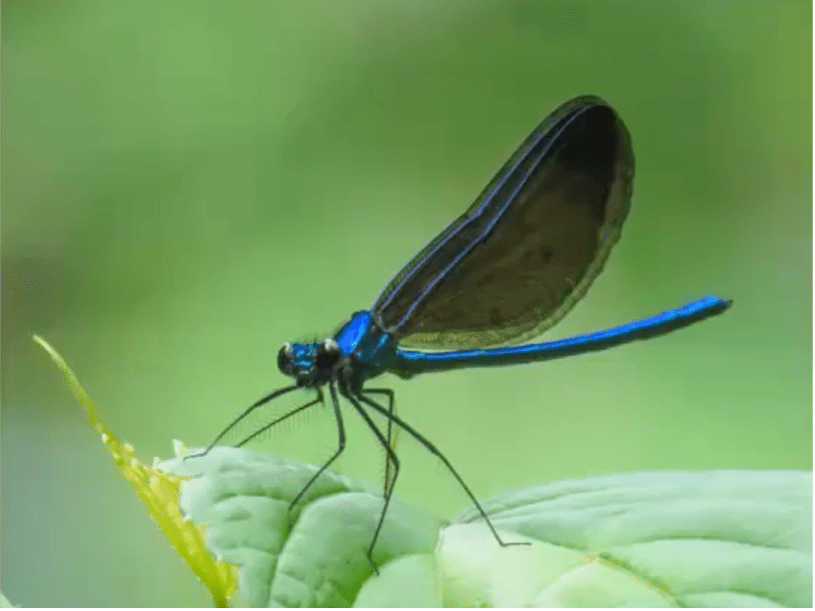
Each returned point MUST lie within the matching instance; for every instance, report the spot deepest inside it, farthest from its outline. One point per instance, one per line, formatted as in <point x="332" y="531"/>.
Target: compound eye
<point x="327" y="355"/>
<point x="285" y="358"/>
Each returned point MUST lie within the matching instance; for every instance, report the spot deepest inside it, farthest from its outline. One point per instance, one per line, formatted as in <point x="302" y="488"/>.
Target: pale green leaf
<point x="314" y="555"/>
<point x="702" y="539"/>
<point x="696" y="539"/>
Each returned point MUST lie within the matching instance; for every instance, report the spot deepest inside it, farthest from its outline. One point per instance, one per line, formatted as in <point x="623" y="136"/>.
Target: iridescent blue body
<point x="506" y="270"/>
<point x="371" y="351"/>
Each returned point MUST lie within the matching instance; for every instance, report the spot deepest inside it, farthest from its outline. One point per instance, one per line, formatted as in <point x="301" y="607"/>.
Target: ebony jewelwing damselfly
<point x="506" y="270"/>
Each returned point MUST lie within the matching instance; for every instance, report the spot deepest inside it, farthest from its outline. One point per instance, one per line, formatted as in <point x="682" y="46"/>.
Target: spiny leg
<point x="340" y="445"/>
<point x="392" y="458"/>
<point x="435" y="451"/>
<point x="270" y="397"/>
<point x="392" y="434"/>
<point x="319" y="399"/>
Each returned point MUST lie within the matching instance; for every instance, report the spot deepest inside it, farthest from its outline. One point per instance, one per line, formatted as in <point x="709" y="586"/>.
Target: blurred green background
<point x="187" y="184"/>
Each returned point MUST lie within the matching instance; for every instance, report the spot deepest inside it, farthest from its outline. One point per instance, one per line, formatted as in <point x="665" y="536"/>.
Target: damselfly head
<point x="311" y="364"/>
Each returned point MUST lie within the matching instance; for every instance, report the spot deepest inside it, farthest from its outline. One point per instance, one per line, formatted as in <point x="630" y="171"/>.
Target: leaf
<point x="695" y="539"/>
<point x="314" y="555"/>
<point x="704" y="539"/>
<point x="4" y="603"/>
<point x="159" y="492"/>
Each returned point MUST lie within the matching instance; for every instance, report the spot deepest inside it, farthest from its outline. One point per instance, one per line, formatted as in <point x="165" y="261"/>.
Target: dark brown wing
<point x="529" y="247"/>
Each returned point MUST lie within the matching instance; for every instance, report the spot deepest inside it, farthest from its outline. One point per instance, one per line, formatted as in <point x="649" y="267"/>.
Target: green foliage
<point x="158" y="490"/>
<point x="699" y="539"/>
<point x="314" y="555"/>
